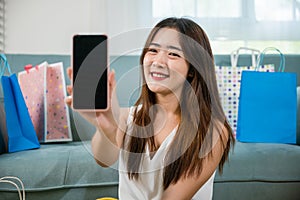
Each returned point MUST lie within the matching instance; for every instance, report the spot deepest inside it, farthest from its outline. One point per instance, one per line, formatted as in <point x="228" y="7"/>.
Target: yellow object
<point x="106" y="198"/>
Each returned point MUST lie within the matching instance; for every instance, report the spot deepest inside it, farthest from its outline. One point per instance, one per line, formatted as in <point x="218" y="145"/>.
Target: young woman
<point x="170" y="143"/>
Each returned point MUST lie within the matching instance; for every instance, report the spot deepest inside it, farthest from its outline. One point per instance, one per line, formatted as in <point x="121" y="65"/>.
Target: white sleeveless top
<point x="149" y="185"/>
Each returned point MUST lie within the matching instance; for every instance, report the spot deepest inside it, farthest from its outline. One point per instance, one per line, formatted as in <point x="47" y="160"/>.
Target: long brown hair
<point x="201" y="111"/>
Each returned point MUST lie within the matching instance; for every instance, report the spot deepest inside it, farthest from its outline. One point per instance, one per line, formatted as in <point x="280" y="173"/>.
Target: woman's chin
<point x="157" y="88"/>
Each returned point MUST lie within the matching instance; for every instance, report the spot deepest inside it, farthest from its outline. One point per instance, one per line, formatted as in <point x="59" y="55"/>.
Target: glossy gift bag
<point x="267" y="105"/>
<point x="43" y="87"/>
<point x="19" y="128"/>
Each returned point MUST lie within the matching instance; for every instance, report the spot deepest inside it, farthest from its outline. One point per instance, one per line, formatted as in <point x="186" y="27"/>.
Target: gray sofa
<point x="255" y="171"/>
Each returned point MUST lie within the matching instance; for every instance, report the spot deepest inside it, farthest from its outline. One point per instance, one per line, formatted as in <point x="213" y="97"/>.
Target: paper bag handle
<point x="9" y="179"/>
<point x="235" y="55"/>
<point x="3" y="59"/>
<point x="262" y="55"/>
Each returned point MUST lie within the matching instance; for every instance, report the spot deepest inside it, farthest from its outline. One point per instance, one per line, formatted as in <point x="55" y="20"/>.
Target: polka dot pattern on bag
<point x="228" y="81"/>
<point x="57" y="126"/>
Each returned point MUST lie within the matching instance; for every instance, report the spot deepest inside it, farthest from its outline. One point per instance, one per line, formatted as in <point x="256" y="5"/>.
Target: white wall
<point x="47" y="26"/>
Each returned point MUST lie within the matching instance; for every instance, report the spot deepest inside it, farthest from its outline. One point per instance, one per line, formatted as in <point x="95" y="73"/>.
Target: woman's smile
<point x="159" y="76"/>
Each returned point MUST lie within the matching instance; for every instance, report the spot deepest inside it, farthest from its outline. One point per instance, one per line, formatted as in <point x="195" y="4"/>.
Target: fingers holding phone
<point x="68" y="100"/>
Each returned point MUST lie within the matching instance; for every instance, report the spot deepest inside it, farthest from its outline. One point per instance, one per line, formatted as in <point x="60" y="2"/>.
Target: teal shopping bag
<point x="267" y="105"/>
<point x="19" y="128"/>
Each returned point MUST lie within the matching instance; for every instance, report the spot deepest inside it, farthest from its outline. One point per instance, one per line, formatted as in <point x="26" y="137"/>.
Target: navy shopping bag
<point x="267" y="105"/>
<point x="19" y="128"/>
<point x="2" y="145"/>
<point x="3" y="132"/>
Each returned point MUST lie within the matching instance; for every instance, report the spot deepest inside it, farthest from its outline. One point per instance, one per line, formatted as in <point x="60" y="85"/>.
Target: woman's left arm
<point x="186" y="188"/>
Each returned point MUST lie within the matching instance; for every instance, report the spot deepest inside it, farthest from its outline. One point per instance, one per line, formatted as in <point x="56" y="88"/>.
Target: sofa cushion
<point x="260" y="167"/>
<point x="68" y="171"/>
<point x="61" y="169"/>
<point x="262" y="162"/>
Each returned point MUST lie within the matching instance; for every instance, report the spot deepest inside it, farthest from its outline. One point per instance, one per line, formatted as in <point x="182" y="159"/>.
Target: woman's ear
<point x="191" y="72"/>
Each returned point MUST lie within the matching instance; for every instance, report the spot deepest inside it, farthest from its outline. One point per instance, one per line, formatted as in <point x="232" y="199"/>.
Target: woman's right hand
<point x="107" y="120"/>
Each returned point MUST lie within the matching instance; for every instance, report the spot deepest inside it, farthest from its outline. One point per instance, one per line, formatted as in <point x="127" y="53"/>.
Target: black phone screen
<point x="90" y="88"/>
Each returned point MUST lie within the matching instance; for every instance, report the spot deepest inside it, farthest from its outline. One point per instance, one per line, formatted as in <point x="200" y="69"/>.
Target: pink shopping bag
<point x="43" y="88"/>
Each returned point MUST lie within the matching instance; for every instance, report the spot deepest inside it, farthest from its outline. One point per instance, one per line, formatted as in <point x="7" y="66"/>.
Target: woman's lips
<point x="158" y="76"/>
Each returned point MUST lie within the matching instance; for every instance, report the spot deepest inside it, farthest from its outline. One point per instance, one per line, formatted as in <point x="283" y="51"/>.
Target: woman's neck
<point x="169" y="103"/>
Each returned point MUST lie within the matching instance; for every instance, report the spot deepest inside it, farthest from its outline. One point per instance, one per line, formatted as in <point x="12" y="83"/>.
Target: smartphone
<point x="90" y="71"/>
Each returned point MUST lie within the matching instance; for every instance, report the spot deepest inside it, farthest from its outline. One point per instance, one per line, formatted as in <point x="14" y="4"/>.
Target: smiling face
<point x="165" y="68"/>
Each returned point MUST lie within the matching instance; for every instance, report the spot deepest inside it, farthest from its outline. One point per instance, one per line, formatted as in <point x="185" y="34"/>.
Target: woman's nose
<point x="160" y="60"/>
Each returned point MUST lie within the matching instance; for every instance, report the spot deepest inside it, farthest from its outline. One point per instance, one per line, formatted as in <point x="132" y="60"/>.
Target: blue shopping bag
<point x="19" y="128"/>
<point x="267" y="105"/>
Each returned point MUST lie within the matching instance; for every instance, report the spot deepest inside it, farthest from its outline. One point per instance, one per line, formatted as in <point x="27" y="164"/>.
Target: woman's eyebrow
<point x="168" y="47"/>
<point x="173" y="47"/>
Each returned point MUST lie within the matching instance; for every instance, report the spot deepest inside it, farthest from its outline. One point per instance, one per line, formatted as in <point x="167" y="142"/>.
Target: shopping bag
<point x="3" y="131"/>
<point x="57" y="121"/>
<point x="267" y="105"/>
<point x="228" y="79"/>
<point x="32" y="85"/>
<point x="43" y="87"/>
<point x="19" y="128"/>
